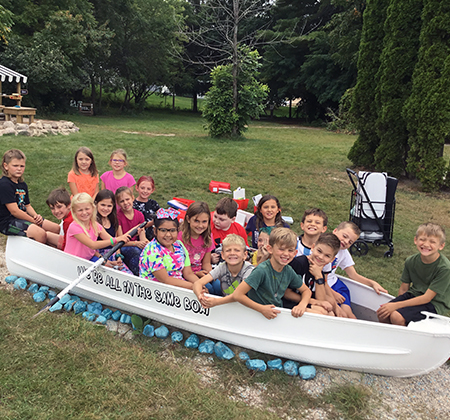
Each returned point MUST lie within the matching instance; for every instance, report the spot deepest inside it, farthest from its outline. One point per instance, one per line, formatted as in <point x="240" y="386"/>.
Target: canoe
<point x="362" y="345"/>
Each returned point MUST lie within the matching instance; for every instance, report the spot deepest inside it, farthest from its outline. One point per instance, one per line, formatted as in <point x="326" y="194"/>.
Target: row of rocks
<point x="37" y="128"/>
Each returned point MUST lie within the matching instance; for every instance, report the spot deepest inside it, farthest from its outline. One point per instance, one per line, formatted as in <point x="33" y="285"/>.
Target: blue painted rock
<point x="20" y="284"/>
<point x="275" y="364"/>
<point x="291" y="368"/>
<point x="33" y="288"/>
<point x="257" y="365"/>
<point x="176" y="337"/>
<point x="65" y="299"/>
<point x="125" y="319"/>
<point x="101" y="320"/>
<point x="116" y="315"/>
<point x="107" y="313"/>
<point x="44" y="289"/>
<point x="222" y="351"/>
<point x="95" y="308"/>
<point x="307" y="372"/>
<point x="51" y="294"/>
<point x="192" y="341"/>
<point x="207" y="347"/>
<point x="149" y="330"/>
<point x="11" y="279"/>
<point x="243" y="356"/>
<point x="89" y="316"/>
<point x="39" y="297"/>
<point x="56" y="307"/>
<point x="162" y="332"/>
<point x="79" y="307"/>
<point x="69" y="305"/>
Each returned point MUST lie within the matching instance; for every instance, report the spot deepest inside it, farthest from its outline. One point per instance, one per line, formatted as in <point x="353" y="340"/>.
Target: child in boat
<point x="84" y="230"/>
<point x="425" y="280"/>
<point x="314" y="223"/>
<point x="118" y="177"/>
<point x="261" y="253"/>
<point x="59" y="202"/>
<point x="227" y="275"/>
<point x="17" y="216"/>
<point x="196" y="237"/>
<point x="83" y="177"/>
<point x="145" y="187"/>
<point x="223" y="224"/>
<point x="165" y="258"/>
<point x="348" y="233"/>
<point x="266" y="285"/>
<point x="105" y="204"/>
<point x="268" y="214"/>
<point x="129" y="218"/>
<point x="310" y="268"/>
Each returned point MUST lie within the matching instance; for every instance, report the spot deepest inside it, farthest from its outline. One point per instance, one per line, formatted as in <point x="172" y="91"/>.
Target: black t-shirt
<point x="300" y="265"/>
<point x="10" y="192"/>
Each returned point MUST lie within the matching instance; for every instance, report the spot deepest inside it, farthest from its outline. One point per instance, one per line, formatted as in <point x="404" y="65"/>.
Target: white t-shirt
<point x="342" y="260"/>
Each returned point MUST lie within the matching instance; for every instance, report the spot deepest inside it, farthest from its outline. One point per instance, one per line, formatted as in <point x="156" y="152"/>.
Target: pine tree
<point x="364" y="106"/>
<point x="428" y="108"/>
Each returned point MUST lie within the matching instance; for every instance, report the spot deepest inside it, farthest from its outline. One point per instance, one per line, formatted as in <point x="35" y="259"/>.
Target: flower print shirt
<point x="155" y="257"/>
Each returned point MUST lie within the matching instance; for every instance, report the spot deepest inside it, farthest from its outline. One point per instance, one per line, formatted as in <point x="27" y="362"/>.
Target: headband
<point x="170" y="213"/>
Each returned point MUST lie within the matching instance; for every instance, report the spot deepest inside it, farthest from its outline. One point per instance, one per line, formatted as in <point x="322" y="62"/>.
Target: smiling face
<point x="83" y="163"/>
<point x="144" y="190"/>
<point x="198" y="224"/>
<point x="429" y="246"/>
<point x="117" y="162"/>
<point x="105" y="207"/>
<point x="269" y="211"/>
<point x="83" y="212"/>
<point x="281" y="255"/>
<point x="234" y="254"/>
<point x="313" y="225"/>
<point x="222" y="221"/>
<point x="346" y="236"/>
<point x="15" y="169"/>
<point x="166" y="233"/>
<point x="125" y="202"/>
<point x="322" y="254"/>
<point x="60" y="210"/>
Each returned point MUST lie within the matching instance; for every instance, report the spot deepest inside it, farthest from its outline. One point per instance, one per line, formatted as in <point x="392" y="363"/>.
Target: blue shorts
<point x="413" y="313"/>
<point x="342" y="289"/>
<point x="17" y="227"/>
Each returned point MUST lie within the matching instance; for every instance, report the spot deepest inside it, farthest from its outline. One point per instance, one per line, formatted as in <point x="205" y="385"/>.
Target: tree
<point x="399" y="56"/>
<point x="364" y="106"/>
<point x="223" y="116"/>
<point x="427" y="110"/>
<point x="5" y="23"/>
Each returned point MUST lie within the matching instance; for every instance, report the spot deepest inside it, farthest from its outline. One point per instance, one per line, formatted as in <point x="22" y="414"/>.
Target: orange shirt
<point x="84" y="183"/>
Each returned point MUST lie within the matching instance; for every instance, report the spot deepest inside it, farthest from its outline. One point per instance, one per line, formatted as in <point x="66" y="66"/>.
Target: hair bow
<point x="170" y="213"/>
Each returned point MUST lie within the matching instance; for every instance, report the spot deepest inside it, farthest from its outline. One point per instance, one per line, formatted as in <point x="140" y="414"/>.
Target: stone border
<point x="38" y="128"/>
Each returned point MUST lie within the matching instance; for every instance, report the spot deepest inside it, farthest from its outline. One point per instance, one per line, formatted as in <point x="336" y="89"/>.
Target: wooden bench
<point x="19" y="113"/>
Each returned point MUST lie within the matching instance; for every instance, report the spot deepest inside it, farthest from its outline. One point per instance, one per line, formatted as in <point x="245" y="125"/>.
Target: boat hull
<point x="358" y="345"/>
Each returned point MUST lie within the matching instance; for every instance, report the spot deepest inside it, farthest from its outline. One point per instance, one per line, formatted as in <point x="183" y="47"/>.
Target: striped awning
<point x="11" y="75"/>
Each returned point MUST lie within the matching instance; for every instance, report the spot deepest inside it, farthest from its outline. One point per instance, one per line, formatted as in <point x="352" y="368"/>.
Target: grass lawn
<point x="62" y="367"/>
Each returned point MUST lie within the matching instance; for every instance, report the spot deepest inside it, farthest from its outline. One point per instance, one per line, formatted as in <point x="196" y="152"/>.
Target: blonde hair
<point x="233" y="239"/>
<point x="351" y="225"/>
<point x="120" y="152"/>
<point x="431" y="229"/>
<point x="122" y="190"/>
<point x="84" y="198"/>
<point x="283" y="237"/>
<point x="8" y="157"/>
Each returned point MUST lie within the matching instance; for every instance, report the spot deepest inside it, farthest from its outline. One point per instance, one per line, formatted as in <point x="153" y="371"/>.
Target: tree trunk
<point x="194" y="101"/>
<point x="235" y="62"/>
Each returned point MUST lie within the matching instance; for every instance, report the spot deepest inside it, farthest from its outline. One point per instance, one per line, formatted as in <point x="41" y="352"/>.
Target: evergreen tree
<point x="364" y="107"/>
<point x="399" y="56"/>
<point x="428" y="108"/>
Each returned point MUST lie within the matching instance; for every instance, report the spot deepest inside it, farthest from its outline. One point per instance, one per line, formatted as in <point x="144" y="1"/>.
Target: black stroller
<point x="372" y="209"/>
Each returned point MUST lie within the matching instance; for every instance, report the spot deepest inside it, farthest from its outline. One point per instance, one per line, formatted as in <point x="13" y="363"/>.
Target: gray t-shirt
<point x="228" y="283"/>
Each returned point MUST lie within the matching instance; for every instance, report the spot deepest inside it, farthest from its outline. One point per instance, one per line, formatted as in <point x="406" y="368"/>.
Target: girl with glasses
<point x="118" y="177"/>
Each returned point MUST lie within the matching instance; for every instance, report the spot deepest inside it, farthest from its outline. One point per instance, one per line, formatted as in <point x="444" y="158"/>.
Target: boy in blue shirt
<point x="425" y="281"/>
<point x="266" y="285"/>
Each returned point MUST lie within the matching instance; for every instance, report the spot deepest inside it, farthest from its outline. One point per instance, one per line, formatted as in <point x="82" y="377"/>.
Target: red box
<point x="215" y="185"/>
<point x="181" y="216"/>
<point x="242" y="203"/>
<point x="184" y="201"/>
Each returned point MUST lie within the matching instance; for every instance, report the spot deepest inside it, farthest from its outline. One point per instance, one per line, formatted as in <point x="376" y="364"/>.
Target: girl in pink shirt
<point x="118" y="177"/>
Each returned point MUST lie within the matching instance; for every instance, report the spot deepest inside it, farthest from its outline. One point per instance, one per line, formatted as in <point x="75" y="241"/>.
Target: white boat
<point x="362" y="345"/>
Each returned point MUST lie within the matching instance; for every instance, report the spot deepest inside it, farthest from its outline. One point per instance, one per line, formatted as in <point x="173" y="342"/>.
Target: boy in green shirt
<point x="425" y="280"/>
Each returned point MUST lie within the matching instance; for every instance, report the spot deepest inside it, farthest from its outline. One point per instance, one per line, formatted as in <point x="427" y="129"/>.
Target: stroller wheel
<point x="359" y="248"/>
<point x="389" y="254"/>
<point x="377" y="243"/>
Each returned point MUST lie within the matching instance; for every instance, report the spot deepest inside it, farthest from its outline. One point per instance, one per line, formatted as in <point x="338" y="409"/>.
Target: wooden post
<point x="1" y="97"/>
<point x="18" y="92"/>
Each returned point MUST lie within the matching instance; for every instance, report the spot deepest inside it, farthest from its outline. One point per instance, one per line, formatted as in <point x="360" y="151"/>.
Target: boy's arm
<point x="13" y="208"/>
<point x="351" y="273"/>
<point x="199" y="284"/>
<point x="240" y="295"/>
<point x="300" y="309"/>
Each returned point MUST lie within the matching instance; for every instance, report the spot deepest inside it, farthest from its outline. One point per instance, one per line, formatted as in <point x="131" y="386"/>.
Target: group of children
<point x="209" y="254"/>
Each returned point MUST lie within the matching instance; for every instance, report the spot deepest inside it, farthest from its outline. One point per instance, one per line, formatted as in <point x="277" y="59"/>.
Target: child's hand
<point x="207" y="301"/>
<point x="385" y="310"/>
<point x="314" y="269"/>
<point x="38" y="219"/>
<point x="201" y="273"/>
<point x="378" y="288"/>
<point x="125" y="238"/>
<point x="214" y="258"/>
<point x="339" y="298"/>
<point x="325" y="305"/>
<point x="262" y="255"/>
<point x="270" y="311"/>
<point x="141" y="244"/>
<point x="298" y="310"/>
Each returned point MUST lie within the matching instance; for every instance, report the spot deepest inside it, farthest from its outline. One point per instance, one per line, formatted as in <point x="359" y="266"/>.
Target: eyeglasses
<point x="117" y="160"/>
<point x="174" y="230"/>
